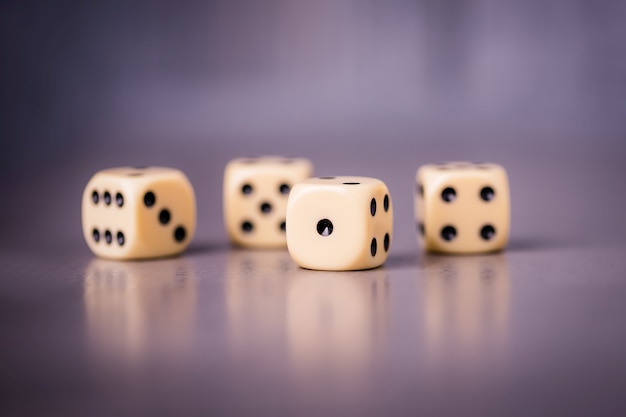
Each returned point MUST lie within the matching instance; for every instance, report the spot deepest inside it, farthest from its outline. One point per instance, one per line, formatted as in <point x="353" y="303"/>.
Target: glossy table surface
<point x="539" y="329"/>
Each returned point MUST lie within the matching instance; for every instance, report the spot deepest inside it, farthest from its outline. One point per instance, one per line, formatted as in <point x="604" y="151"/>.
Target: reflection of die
<point x="339" y="223"/>
<point x="138" y="309"/>
<point x="462" y="207"/>
<point x="465" y="303"/>
<point x="255" y="292"/>
<point x="255" y="198"/>
<point x="135" y="213"/>
<point x="333" y="320"/>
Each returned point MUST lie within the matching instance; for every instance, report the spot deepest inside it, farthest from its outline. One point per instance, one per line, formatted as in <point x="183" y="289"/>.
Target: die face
<point x="462" y="207"/>
<point x="339" y="223"/>
<point x="156" y="217"/>
<point x="108" y="227"/>
<point x="255" y="199"/>
<point x="166" y="215"/>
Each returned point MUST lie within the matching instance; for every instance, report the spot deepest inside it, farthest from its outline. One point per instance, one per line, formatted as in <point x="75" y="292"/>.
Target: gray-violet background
<point x="360" y="86"/>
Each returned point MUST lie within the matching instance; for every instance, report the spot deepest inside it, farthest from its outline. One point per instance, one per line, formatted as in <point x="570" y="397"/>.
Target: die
<point x="255" y="198"/>
<point x="339" y="223"/>
<point x="462" y="207"/>
<point x="138" y="213"/>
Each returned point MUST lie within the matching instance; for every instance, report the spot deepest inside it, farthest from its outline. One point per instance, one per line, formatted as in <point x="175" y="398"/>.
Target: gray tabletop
<point x="536" y="329"/>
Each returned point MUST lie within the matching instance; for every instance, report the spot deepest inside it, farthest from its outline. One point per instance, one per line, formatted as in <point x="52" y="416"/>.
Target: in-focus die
<point x="255" y="198"/>
<point x="137" y="213"/>
<point x="462" y="207"/>
<point x="339" y="223"/>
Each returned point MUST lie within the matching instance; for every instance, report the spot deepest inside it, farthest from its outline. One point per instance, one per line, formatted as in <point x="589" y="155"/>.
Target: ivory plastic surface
<point x="255" y="198"/>
<point x="139" y="230"/>
<point x="467" y="212"/>
<point x="357" y="239"/>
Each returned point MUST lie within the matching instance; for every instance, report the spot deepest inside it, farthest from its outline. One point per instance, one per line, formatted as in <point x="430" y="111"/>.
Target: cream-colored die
<point x="339" y="223"/>
<point x="462" y="207"/>
<point x="255" y="198"/>
<point x="137" y="213"/>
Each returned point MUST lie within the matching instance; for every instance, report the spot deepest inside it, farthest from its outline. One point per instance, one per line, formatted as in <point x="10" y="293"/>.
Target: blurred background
<point x="359" y="86"/>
